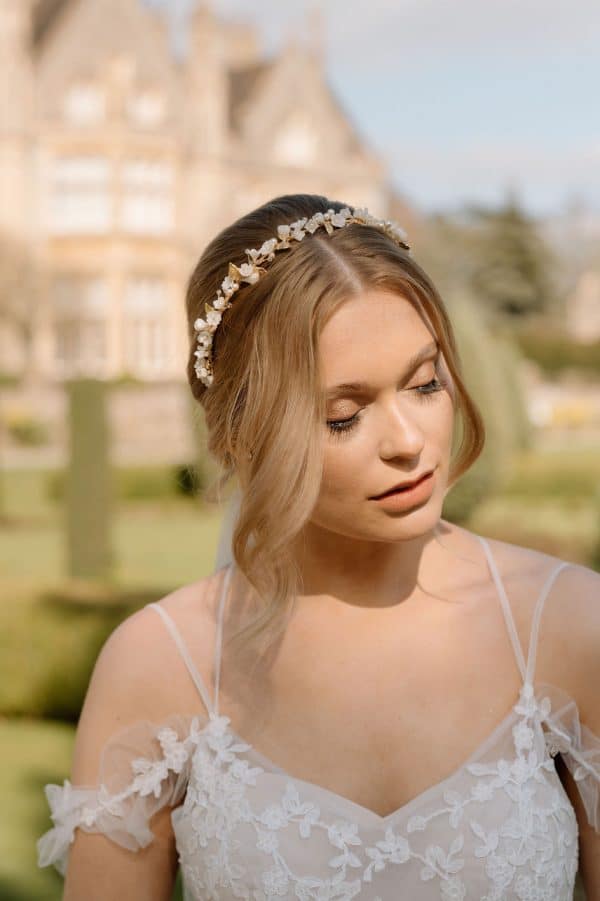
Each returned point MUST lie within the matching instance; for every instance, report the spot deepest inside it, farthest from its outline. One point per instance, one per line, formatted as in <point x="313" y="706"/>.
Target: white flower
<point x="482" y="791"/>
<point x="213" y="317"/>
<point x="343" y="833"/>
<point x="273" y="817"/>
<point x="149" y="776"/>
<point x="416" y="823"/>
<point x="454" y="889"/>
<point x="268" y="247"/>
<point x="229" y="284"/>
<point x="88" y="816"/>
<point x="339" y="219"/>
<point x="523" y="736"/>
<point x="174" y="750"/>
<point x="248" y="273"/>
<point x="275" y="881"/>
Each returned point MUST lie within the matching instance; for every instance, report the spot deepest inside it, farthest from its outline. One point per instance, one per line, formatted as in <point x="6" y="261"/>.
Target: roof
<point x="243" y="83"/>
<point x="44" y="14"/>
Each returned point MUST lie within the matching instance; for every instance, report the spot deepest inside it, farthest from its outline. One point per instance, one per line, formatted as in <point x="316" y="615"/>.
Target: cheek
<point x="447" y="418"/>
<point x="344" y="468"/>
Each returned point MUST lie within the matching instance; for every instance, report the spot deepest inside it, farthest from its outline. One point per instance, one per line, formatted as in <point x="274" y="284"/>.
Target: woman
<point x="414" y="713"/>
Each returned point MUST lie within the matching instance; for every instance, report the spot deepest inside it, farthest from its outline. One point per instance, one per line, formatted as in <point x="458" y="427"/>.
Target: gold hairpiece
<point x="251" y="271"/>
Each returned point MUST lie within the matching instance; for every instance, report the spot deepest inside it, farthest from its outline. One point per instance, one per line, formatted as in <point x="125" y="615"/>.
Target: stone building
<point x="583" y="308"/>
<point x="120" y="159"/>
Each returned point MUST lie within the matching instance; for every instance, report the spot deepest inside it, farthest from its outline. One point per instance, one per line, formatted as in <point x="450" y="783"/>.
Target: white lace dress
<point x="500" y="827"/>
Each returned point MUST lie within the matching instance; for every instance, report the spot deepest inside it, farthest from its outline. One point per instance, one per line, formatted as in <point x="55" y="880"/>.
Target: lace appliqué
<point x="531" y="853"/>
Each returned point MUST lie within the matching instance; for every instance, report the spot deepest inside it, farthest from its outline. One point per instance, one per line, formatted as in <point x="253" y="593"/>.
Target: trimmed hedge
<point x="554" y="352"/>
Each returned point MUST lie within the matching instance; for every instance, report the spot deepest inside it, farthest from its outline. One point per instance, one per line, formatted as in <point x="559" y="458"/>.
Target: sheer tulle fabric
<point x="143" y="767"/>
<point x="579" y="748"/>
<point x="147" y="766"/>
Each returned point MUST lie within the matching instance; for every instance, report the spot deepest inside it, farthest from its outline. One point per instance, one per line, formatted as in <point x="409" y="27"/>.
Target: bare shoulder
<point x="138" y="653"/>
<point x="569" y="644"/>
<point x="517" y="561"/>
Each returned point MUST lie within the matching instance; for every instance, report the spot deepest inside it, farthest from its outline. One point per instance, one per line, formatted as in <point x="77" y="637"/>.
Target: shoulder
<point x="569" y="637"/>
<point x="135" y="656"/>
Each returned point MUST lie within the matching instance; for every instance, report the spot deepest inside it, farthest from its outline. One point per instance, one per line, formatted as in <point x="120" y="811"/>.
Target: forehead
<point x="369" y="336"/>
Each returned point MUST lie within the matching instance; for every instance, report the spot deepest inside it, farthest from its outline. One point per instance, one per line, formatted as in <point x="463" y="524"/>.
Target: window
<point x="147" y="205"/>
<point x="297" y="143"/>
<point x="147" y="329"/>
<point x="80" y="199"/>
<point x="85" y="104"/>
<point x="80" y="330"/>
<point x="147" y="108"/>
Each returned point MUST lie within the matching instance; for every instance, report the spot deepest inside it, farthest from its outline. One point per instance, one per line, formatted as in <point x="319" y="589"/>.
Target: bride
<point x="363" y="699"/>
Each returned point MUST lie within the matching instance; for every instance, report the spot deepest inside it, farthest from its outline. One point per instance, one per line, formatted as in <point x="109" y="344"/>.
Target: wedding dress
<point x="501" y="826"/>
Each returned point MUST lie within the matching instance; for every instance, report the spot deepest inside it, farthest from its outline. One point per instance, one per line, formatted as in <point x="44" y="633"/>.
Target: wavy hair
<point x="264" y="412"/>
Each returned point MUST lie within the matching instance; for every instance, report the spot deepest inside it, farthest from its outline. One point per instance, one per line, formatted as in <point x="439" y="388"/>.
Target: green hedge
<point x="49" y="644"/>
<point x="140" y="482"/>
<point x="554" y="352"/>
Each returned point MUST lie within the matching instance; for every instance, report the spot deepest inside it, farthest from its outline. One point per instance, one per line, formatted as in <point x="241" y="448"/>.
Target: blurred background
<point x="130" y="133"/>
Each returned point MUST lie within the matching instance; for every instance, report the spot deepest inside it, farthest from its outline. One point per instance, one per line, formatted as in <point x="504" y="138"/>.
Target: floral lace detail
<point x="532" y="852"/>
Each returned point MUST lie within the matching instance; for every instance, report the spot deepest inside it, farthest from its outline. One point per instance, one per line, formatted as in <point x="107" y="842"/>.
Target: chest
<point x="378" y="709"/>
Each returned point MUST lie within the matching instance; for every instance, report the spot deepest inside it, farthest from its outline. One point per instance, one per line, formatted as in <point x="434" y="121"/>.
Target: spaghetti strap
<point x="212" y="708"/>
<point x="537" y="615"/>
<point x="527" y="669"/>
<point x="198" y="680"/>
<point x="219" y="641"/>
<point x="510" y="623"/>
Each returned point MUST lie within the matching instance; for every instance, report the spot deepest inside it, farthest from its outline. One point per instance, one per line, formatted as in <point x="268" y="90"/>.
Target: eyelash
<point x="339" y="427"/>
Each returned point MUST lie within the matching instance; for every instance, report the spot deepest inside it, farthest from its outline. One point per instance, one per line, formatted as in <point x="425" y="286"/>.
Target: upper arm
<point x="579" y="600"/>
<point x="125" y="687"/>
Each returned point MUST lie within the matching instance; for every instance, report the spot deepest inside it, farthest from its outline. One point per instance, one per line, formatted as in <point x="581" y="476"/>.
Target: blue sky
<point x="465" y="98"/>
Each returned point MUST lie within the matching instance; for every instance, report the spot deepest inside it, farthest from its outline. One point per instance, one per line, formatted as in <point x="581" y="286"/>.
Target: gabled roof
<point x="243" y="83"/>
<point x="45" y="13"/>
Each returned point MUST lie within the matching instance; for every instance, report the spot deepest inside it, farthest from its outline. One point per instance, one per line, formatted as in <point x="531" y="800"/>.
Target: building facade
<point x="120" y="159"/>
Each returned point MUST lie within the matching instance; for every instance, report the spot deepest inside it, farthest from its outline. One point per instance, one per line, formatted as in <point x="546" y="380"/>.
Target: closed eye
<point x="339" y="427"/>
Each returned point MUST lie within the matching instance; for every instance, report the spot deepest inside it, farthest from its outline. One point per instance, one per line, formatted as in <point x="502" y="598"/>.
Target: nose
<point x="403" y="436"/>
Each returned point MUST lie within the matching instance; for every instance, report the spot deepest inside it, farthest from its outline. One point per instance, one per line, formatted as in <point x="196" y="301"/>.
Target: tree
<point x="514" y="271"/>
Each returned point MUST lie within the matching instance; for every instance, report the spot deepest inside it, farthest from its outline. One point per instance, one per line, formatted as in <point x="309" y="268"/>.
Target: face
<point x="394" y="428"/>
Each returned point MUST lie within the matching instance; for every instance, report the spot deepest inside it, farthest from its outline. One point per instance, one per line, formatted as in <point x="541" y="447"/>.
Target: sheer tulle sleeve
<point x="579" y="747"/>
<point x="143" y="767"/>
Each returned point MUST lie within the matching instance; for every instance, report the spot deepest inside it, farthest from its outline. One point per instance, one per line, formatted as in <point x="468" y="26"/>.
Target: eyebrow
<point x="347" y="389"/>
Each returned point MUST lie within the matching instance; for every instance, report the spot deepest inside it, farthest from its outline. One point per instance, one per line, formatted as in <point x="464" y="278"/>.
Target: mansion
<point x="120" y="159"/>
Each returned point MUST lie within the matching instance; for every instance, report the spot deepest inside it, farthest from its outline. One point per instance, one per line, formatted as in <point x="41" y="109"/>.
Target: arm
<point x="580" y="599"/>
<point x="124" y="688"/>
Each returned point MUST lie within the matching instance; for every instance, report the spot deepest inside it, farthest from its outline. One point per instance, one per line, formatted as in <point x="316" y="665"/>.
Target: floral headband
<point x="251" y="271"/>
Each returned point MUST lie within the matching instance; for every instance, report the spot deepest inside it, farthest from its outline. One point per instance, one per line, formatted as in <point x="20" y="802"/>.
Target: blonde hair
<point x="266" y="398"/>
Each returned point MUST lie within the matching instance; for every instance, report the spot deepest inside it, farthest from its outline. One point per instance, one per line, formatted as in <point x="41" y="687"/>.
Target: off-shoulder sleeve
<point x="143" y="767"/>
<point x="579" y="747"/>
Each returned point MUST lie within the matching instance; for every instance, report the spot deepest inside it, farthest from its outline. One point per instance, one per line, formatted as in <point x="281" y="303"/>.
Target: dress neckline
<point x="222" y="724"/>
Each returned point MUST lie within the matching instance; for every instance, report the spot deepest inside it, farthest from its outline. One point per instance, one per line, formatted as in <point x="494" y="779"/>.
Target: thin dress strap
<point x="510" y="623"/>
<point x="526" y="670"/>
<point x="211" y="707"/>
<point x="537" y="615"/>
<point x="219" y="641"/>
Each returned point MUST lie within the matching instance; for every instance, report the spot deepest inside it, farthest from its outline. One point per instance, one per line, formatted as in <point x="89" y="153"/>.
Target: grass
<point x="34" y="753"/>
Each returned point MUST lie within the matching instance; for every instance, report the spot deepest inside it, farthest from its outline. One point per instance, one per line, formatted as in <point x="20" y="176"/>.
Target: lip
<point x="410" y="498"/>
<point x="407" y="486"/>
